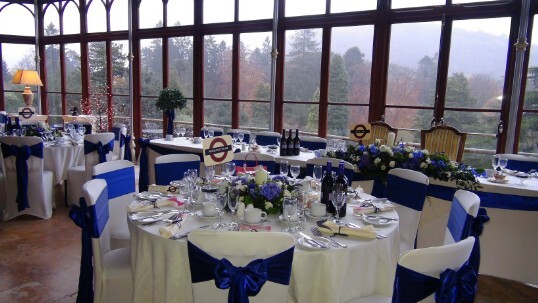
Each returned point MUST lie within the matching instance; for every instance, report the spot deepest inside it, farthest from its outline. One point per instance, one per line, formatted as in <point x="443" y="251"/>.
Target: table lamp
<point x="27" y="77"/>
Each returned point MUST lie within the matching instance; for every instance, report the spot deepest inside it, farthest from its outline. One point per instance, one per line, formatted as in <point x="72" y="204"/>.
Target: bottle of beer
<point x="340" y="185"/>
<point x="290" y="144"/>
<point x="327" y="187"/>
<point x="296" y="143"/>
<point x="283" y="144"/>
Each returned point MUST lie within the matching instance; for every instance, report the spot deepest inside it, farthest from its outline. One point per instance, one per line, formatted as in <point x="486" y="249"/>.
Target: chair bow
<point x="126" y="140"/>
<point x="22" y="154"/>
<point x="171" y="116"/>
<point x="457" y="286"/>
<point x="102" y="149"/>
<point x="143" y="162"/>
<point x="477" y="227"/>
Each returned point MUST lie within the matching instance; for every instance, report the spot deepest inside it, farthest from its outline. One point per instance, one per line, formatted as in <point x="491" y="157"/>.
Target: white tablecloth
<point x="60" y="159"/>
<point x="161" y="269"/>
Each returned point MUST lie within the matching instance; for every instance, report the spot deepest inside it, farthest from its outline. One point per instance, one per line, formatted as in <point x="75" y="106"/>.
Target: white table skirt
<point x="60" y="159"/>
<point x="161" y="269"/>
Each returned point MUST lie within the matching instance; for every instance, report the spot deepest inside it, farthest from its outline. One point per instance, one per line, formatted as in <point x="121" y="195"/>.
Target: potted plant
<point x="169" y="100"/>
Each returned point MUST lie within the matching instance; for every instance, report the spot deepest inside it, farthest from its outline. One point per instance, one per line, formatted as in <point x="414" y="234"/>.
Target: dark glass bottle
<point x="290" y="144"/>
<point x="327" y="186"/>
<point x="340" y="185"/>
<point x="296" y="143"/>
<point x="9" y="127"/>
<point x="283" y="144"/>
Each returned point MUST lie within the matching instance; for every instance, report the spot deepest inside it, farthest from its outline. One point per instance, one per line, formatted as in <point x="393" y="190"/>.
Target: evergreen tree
<point x="313" y="115"/>
<point x="338" y="92"/>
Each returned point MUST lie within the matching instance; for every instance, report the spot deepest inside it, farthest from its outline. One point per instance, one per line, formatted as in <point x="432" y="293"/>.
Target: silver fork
<point x="316" y="232"/>
<point x="183" y="235"/>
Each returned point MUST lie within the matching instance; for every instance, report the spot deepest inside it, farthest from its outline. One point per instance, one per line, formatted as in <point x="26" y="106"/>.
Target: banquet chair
<point x="97" y="149"/>
<point x="172" y="167"/>
<point x="267" y="138"/>
<point x="348" y="167"/>
<point x="120" y="131"/>
<point x="380" y="130"/>
<point x="521" y="163"/>
<point x="28" y="188"/>
<point x="111" y="272"/>
<point x="407" y="190"/>
<point x="444" y="139"/>
<point x="420" y="273"/>
<point x="120" y="179"/>
<point x="218" y="131"/>
<point x="253" y="159"/>
<point x="246" y="134"/>
<point x="463" y="211"/>
<point x="208" y="249"/>
<point x="313" y="142"/>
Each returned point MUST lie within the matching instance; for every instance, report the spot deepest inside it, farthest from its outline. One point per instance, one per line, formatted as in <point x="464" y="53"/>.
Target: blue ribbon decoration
<point x="243" y="282"/>
<point x="459" y="221"/>
<point x="266" y="140"/>
<point x="22" y="154"/>
<point x="119" y="182"/>
<point x="117" y="135"/>
<point x="415" y="193"/>
<point x="476" y="228"/>
<point x="453" y="286"/>
<point x="166" y="172"/>
<point x="314" y="145"/>
<point x="126" y="140"/>
<point x="92" y="221"/>
<point x="102" y="149"/>
<point x="171" y="114"/>
<point x="521" y="165"/>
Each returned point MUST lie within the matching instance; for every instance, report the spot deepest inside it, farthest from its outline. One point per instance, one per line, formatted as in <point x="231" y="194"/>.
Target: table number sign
<point x="26" y="113"/>
<point x="360" y="132"/>
<point x="217" y="150"/>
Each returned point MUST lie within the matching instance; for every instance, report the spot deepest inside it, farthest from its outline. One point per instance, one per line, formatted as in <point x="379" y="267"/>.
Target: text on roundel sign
<point x="360" y="131"/>
<point x="212" y="151"/>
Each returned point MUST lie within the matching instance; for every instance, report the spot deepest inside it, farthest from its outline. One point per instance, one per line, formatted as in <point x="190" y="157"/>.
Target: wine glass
<point x="290" y="208"/>
<point x="241" y="136"/>
<point x="195" y="194"/>
<point x="211" y="133"/>
<point x="230" y="169"/>
<point x="495" y="162"/>
<point x="209" y="173"/>
<point x="182" y="131"/>
<point x="295" y="170"/>
<point x="301" y="207"/>
<point x="188" y="183"/>
<point x="235" y="137"/>
<point x="233" y="200"/>
<point x="204" y="133"/>
<point x="284" y="168"/>
<point x="338" y="200"/>
<point x="220" y="202"/>
<point x="502" y="163"/>
<point x="81" y="130"/>
<point x="317" y="174"/>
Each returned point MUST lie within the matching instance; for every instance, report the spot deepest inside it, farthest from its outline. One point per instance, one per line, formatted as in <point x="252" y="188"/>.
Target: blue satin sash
<point x="453" y="286"/>
<point x="126" y="140"/>
<point x="119" y="182"/>
<point x="102" y="149"/>
<point x="166" y="172"/>
<point x="266" y="140"/>
<point x="520" y="165"/>
<point x="92" y="221"/>
<point x="22" y="154"/>
<point x="243" y="282"/>
<point x="476" y="228"/>
<point x="405" y="192"/>
<point x="118" y="135"/>
<point x="459" y="221"/>
<point x="314" y="145"/>
<point x="171" y="114"/>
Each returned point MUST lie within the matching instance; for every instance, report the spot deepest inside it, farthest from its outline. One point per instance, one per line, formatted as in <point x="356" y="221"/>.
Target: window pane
<point x="341" y="6"/>
<point x="19" y="15"/>
<point x="218" y="11"/>
<point x="304" y="7"/>
<point x="185" y="115"/>
<point x="96" y="17"/>
<point x="97" y="60"/>
<point x="120" y="67"/>
<point x="302" y="116"/>
<point x="51" y="21"/>
<point x="119" y="19"/>
<point x="254" y="10"/>
<point x="52" y="53"/>
<point x="180" y="69"/>
<point x="254" y="115"/>
<point x="73" y="100"/>
<point x="55" y="107"/>
<point x="180" y="12"/>
<point x="338" y="120"/>
<point x="409" y="118"/>
<point x="255" y="66"/>
<point x="151" y="15"/>
<point x="152" y="69"/>
<point x="152" y="124"/>
<point x="303" y="64"/>
<point x="218" y="113"/>
<point x="529" y="132"/>
<point x="72" y="68"/>
<point x="17" y="56"/>
<point x="218" y="66"/>
<point x="529" y="122"/>
<point x="71" y="19"/>
<point x="122" y="109"/>
<point x="416" y="3"/>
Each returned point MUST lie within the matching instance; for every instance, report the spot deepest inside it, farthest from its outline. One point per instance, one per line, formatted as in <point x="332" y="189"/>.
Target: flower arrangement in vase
<point x="169" y="100"/>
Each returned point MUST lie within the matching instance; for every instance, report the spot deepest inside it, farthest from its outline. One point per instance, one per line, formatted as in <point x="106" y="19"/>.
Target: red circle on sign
<point x="363" y="128"/>
<point x="212" y="145"/>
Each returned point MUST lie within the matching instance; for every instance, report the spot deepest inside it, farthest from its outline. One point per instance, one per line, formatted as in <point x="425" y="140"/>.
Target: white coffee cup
<point x="490" y="173"/>
<point x="254" y="215"/>
<point x="196" y="139"/>
<point x="318" y="209"/>
<point x="292" y="217"/>
<point x="208" y="209"/>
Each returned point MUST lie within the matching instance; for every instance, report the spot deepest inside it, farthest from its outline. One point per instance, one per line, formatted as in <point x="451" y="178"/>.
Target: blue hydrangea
<point x="280" y="178"/>
<point x="270" y="191"/>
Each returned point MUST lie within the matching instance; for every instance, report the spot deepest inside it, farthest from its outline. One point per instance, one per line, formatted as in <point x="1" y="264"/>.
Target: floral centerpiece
<point x="374" y="161"/>
<point x="266" y="193"/>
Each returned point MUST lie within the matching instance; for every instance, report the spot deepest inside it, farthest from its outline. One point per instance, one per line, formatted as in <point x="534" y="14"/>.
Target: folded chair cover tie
<point x="477" y="227"/>
<point x="117" y="135"/>
<point x="22" y="154"/>
<point x="101" y="149"/>
<point x="126" y="140"/>
<point x="452" y="287"/>
<point x="143" y="161"/>
<point x="243" y="282"/>
<point x="171" y="114"/>
<point x="459" y="221"/>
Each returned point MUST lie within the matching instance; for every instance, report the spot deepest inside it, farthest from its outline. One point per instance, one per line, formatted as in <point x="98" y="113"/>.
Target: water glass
<point x="220" y="202"/>
<point x="209" y="173"/>
<point x="503" y="162"/>
<point x="241" y="136"/>
<point x="204" y="133"/>
<point x="338" y="201"/>
<point x="230" y="169"/>
<point x="495" y="162"/>
<point x="211" y="133"/>
<point x="233" y="201"/>
<point x="295" y="170"/>
<point x="81" y="130"/>
<point x="182" y="131"/>
<point x="284" y="168"/>
<point x="235" y="137"/>
<point x="290" y="208"/>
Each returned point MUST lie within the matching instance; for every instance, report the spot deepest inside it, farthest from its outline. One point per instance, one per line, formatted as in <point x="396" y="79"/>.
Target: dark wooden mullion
<point x="2" y="100"/>
<point x="278" y="122"/>
<point x="324" y="82"/>
<point x="198" y="69"/>
<point x="108" y="8"/>
<point x="166" y="76"/>
<point x="137" y="78"/>
<point x="442" y="68"/>
<point x="165" y="14"/>
<point x="109" y="81"/>
<point x="84" y="62"/>
<point x="235" y="80"/>
<point x="63" y="88"/>
<point x="43" y="61"/>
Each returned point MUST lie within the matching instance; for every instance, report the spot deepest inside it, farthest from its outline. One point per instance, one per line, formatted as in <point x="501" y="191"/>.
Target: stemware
<point x="195" y="194"/>
<point x="290" y="208"/>
<point x="241" y="136"/>
<point x="233" y="201"/>
<point x="230" y="169"/>
<point x="317" y="175"/>
<point x="182" y="131"/>
<point x="338" y="200"/>
<point x="295" y="170"/>
<point x="209" y="173"/>
<point x="503" y="162"/>
<point x="211" y="133"/>
<point x="301" y="207"/>
<point x="188" y="176"/>
<point x="495" y="162"/>
<point x="235" y="136"/>
<point x="204" y="133"/>
<point x="81" y="130"/>
<point x="220" y="202"/>
<point x="284" y="168"/>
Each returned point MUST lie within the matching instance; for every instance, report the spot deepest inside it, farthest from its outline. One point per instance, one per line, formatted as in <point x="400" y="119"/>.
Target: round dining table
<point x="59" y="158"/>
<point x="161" y="272"/>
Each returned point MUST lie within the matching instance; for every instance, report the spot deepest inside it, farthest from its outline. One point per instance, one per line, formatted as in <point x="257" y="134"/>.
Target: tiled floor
<point x="39" y="262"/>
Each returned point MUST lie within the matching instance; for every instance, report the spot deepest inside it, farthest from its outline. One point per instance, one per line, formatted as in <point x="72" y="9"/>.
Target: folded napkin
<point x="331" y="228"/>
<point x="147" y="205"/>
<point x="172" y="229"/>
<point x="163" y="189"/>
<point x="371" y="209"/>
<point x="254" y="228"/>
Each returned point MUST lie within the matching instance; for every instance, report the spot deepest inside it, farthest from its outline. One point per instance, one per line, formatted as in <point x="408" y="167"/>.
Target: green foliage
<point x="338" y="92"/>
<point x="170" y="99"/>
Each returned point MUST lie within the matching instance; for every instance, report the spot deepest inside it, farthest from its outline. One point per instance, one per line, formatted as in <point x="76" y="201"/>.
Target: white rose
<point x="411" y="156"/>
<point x="287" y="193"/>
<point x="391" y="153"/>
<point x="241" y="198"/>
<point x="377" y="160"/>
<point x="365" y="153"/>
<point x="423" y="165"/>
<point x="426" y="152"/>
<point x="382" y="148"/>
<point x="448" y="174"/>
<point x="383" y="167"/>
<point x="268" y="205"/>
<point x="392" y="163"/>
<point x="428" y="161"/>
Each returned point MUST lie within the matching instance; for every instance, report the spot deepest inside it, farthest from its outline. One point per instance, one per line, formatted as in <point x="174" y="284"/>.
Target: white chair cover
<point x="240" y="248"/>
<point x="120" y="178"/>
<point x="78" y="175"/>
<point x="39" y="183"/>
<point x="464" y="206"/>
<point x="119" y="129"/>
<point x="411" y="202"/>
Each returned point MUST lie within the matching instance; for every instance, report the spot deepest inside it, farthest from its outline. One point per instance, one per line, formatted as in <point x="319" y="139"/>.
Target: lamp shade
<point x="27" y="77"/>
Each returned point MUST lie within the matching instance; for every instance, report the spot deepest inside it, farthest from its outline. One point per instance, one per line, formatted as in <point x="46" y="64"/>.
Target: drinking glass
<point x="301" y="206"/>
<point x="204" y="133"/>
<point x="209" y="173"/>
<point x="220" y="202"/>
<point x="338" y="201"/>
<point x="235" y="137"/>
<point x="241" y="136"/>
<point x="284" y="168"/>
<point x="211" y="133"/>
<point x="318" y="174"/>
<point x="290" y="208"/>
<point x="495" y="162"/>
<point x="502" y="163"/>
<point x="195" y="194"/>
<point x="188" y="176"/>
<point x="230" y="169"/>
<point x="233" y="201"/>
<point x="81" y="130"/>
<point x="295" y="170"/>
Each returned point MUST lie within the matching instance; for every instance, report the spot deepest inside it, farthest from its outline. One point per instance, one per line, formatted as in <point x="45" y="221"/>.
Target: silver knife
<point x="380" y="218"/>
<point x="322" y="245"/>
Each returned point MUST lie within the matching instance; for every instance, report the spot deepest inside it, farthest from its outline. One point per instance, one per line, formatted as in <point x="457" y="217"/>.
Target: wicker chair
<point x="443" y="138"/>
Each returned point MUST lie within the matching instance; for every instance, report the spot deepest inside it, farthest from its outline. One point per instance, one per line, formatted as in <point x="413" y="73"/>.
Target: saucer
<point x="316" y="218"/>
<point x="501" y="181"/>
<point x="242" y="221"/>
<point x="305" y="243"/>
<point x="200" y="215"/>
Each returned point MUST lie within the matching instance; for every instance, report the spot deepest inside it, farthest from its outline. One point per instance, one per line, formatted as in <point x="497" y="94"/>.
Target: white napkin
<point x="330" y="228"/>
<point x="370" y="209"/>
<point x="146" y="205"/>
<point x="172" y="229"/>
